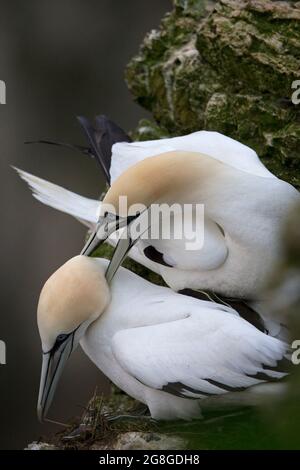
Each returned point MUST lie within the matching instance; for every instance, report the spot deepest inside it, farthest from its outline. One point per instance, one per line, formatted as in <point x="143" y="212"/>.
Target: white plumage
<point x="214" y="144"/>
<point x="164" y="349"/>
<point x="168" y="350"/>
<point x="150" y="338"/>
<point x="80" y="207"/>
<point x="245" y="207"/>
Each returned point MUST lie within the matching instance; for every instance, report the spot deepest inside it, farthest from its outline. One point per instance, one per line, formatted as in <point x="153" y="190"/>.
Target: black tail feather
<point x="101" y="139"/>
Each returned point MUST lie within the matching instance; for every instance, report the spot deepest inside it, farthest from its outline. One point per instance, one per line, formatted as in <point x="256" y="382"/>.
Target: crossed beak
<point x="52" y="367"/>
<point x="107" y="225"/>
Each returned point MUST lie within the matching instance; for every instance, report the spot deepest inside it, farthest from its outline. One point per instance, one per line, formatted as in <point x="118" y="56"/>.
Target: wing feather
<point x="208" y="353"/>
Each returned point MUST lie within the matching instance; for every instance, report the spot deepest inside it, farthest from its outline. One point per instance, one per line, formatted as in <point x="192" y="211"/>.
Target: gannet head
<point x="72" y="298"/>
<point x="166" y="178"/>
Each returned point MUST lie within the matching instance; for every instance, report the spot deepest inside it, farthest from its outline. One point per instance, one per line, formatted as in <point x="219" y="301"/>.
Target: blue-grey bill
<point x="121" y="250"/>
<point x="52" y="367"/>
<point x="106" y="225"/>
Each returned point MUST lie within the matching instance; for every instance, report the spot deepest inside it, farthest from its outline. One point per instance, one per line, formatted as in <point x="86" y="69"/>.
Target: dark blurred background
<point x="58" y="59"/>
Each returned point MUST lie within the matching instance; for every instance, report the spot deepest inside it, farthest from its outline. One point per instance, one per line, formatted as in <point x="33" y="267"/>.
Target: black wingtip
<point x="113" y="131"/>
<point x="101" y="138"/>
<point x="94" y="138"/>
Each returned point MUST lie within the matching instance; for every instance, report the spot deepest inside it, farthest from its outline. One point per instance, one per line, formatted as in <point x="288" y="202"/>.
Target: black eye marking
<point x="61" y="338"/>
<point x="105" y="214"/>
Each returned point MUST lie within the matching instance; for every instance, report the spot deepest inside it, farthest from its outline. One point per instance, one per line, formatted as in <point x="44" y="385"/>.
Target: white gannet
<point x="245" y="206"/>
<point x="244" y="213"/>
<point x="167" y="350"/>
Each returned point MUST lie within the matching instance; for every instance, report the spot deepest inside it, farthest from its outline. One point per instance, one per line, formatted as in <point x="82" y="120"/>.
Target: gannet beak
<point x="106" y="225"/>
<point x="126" y="243"/>
<point x="52" y="367"/>
<point x="121" y="250"/>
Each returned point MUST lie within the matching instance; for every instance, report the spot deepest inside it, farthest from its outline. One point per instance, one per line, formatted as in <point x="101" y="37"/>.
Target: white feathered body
<point x="245" y="210"/>
<point x="151" y="340"/>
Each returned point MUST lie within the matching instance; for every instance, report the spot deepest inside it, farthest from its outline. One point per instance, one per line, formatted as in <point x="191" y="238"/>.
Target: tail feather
<point x="101" y="138"/>
<point x="80" y="207"/>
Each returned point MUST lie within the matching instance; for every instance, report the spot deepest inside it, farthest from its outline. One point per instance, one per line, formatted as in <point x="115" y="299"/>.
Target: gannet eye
<point x="61" y="338"/>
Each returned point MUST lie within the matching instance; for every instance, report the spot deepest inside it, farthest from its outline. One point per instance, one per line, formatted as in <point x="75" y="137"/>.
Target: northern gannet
<point x="167" y="350"/>
<point x="245" y="206"/>
<point x="244" y="213"/>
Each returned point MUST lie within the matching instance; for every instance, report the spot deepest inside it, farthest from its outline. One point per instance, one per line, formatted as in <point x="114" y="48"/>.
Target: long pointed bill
<point x="52" y="367"/>
<point x="127" y="240"/>
<point x="121" y="250"/>
<point x="106" y="225"/>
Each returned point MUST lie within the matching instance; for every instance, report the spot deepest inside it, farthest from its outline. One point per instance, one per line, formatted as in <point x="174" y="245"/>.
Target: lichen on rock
<point x="226" y="66"/>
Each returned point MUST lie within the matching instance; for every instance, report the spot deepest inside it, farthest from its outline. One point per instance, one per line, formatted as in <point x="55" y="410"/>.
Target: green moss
<point x="148" y="130"/>
<point x="194" y="8"/>
<point x="229" y="71"/>
<point x="218" y="430"/>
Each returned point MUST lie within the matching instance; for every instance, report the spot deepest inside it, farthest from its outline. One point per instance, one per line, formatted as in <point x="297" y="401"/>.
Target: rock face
<point x="144" y="441"/>
<point x="127" y="441"/>
<point x="227" y="66"/>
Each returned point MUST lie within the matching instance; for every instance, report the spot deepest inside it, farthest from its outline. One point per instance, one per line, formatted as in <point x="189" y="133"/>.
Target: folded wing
<point x="208" y="353"/>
